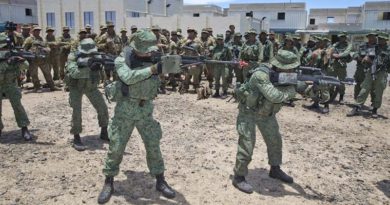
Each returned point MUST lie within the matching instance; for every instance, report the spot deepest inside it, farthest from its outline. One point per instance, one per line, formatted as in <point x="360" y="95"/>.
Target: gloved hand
<point x="156" y="69"/>
<point x="15" y="59"/>
<point x="94" y="64"/>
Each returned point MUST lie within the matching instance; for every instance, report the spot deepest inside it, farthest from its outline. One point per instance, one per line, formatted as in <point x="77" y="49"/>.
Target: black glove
<point x="94" y="64"/>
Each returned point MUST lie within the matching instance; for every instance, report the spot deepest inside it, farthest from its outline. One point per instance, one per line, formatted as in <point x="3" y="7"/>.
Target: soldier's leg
<point x="229" y="74"/>
<point x="56" y="68"/>
<point x="245" y="72"/>
<point x="97" y="100"/>
<point x="246" y="129"/>
<point x="359" y="78"/>
<point x="150" y="131"/>
<point x="210" y="74"/>
<point x="342" y="75"/>
<point x="238" y="74"/>
<point x="63" y="60"/>
<point x="45" y="68"/>
<point x="162" y="83"/>
<point x="224" y="75"/>
<point x="75" y="102"/>
<point x="34" y="75"/>
<point x="119" y="130"/>
<point x="366" y="88"/>
<point x="14" y="95"/>
<point x="269" y="129"/>
<point x="196" y="80"/>
<point x="217" y="78"/>
<point x="379" y="86"/>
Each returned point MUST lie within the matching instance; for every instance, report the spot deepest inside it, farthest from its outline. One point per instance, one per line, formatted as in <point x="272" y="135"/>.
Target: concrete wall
<point x="373" y="15"/>
<point x="12" y="10"/>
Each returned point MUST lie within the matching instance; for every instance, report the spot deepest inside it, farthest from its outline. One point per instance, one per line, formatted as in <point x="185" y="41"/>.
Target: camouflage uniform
<point x="208" y="44"/>
<point x="65" y="43"/>
<point x="53" y="57"/>
<point x="338" y="67"/>
<point x="39" y="47"/>
<point x="236" y="49"/>
<point x="8" y="87"/>
<point x="81" y="80"/>
<point x="361" y="68"/>
<point x="136" y="111"/>
<point x="267" y="51"/>
<point x="223" y="53"/>
<point x="259" y="101"/>
<point x="250" y="53"/>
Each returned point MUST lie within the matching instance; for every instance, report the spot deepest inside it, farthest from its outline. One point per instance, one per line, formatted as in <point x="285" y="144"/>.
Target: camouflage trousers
<point x="209" y="73"/>
<point x="54" y="63"/>
<point x="220" y="72"/>
<point x="14" y="95"/>
<point x="194" y="73"/>
<point x="317" y="93"/>
<point x="376" y="86"/>
<point x="339" y="72"/>
<point x="78" y="88"/>
<point x="45" y="68"/>
<point x="129" y="115"/>
<point x="246" y="128"/>
<point x="63" y="59"/>
<point x="238" y="74"/>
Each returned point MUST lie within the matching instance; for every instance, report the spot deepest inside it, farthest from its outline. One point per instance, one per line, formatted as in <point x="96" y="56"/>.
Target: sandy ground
<point x="333" y="159"/>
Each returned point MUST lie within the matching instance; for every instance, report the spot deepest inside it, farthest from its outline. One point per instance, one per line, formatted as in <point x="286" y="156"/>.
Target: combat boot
<point x="26" y="134"/>
<point x="162" y="90"/>
<point x="104" y="134"/>
<point x="313" y="106"/>
<point x="216" y="94"/>
<point x="355" y="111"/>
<point x="325" y="110"/>
<point x="224" y="95"/>
<point x="163" y="187"/>
<point x="241" y="184"/>
<point x="277" y="173"/>
<point x="374" y="113"/>
<point x="77" y="144"/>
<point x="107" y="191"/>
<point x="341" y="99"/>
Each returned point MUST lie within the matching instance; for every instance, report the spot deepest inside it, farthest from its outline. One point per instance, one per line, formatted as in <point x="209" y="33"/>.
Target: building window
<point x="50" y="20"/>
<point x="312" y="21"/>
<point x="386" y="16"/>
<point x="88" y="18"/>
<point x="28" y="12"/>
<point x="281" y="16"/>
<point x="330" y="19"/>
<point x="196" y="15"/>
<point x="111" y="16"/>
<point x="69" y="19"/>
<point x="135" y="14"/>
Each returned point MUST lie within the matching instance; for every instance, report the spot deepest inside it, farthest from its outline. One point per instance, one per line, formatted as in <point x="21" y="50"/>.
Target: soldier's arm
<point x="129" y="76"/>
<point x="101" y="43"/>
<point x="347" y="51"/>
<point x="72" y="63"/>
<point x="27" y="44"/>
<point x="261" y="81"/>
<point x="271" y="50"/>
<point x="261" y="53"/>
<point x="229" y="55"/>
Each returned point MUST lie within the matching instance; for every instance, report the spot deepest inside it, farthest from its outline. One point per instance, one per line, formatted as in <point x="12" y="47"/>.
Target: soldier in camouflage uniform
<point x="53" y="57"/>
<point x="65" y="42"/>
<point x="36" y="45"/>
<point x="259" y="101"/>
<point x="360" y="66"/>
<point x="236" y="49"/>
<point x="162" y="44"/>
<point x="103" y="30"/>
<point x="90" y="34"/>
<point x="124" y="37"/>
<point x="339" y="57"/>
<point x="288" y="45"/>
<point x="82" y="78"/>
<point x="16" y="40"/>
<point x="250" y="53"/>
<point x="9" y="72"/>
<point x="267" y="51"/>
<point x="172" y="51"/>
<point x="376" y="77"/>
<point x="194" y="71"/>
<point x="110" y="43"/>
<point x="223" y="53"/>
<point x="208" y="44"/>
<point x="134" y="109"/>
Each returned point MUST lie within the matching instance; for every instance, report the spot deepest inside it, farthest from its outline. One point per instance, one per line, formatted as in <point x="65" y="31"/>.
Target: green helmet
<point x="87" y="46"/>
<point x="144" y="41"/>
<point x="285" y="60"/>
<point x="3" y="40"/>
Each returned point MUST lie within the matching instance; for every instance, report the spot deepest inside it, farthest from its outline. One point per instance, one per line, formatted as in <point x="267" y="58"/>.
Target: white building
<point x="376" y="15"/>
<point x="282" y="17"/>
<point x="202" y="10"/>
<point x="78" y="13"/>
<point x="339" y="19"/>
<point x="18" y="11"/>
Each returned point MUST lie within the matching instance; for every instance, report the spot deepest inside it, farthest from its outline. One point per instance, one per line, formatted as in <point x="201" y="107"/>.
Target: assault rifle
<point x="104" y="59"/>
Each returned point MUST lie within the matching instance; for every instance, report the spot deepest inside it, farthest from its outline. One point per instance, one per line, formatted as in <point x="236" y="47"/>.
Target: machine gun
<point x="105" y="60"/>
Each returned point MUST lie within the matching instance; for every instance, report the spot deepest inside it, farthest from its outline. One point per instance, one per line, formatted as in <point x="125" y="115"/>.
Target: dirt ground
<point x="333" y="159"/>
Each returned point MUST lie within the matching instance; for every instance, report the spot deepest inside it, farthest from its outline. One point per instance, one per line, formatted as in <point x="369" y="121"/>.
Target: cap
<point x="252" y="31"/>
<point x="123" y="30"/>
<point x="219" y="36"/>
<point x="103" y="27"/>
<point x="156" y="28"/>
<point x="110" y="24"/>
<point x="173" y="33"/>
<point x="82" y="30"/>
<point x="133" y="27"/>
<point x="383" y="35"/>
<point x="36" y="27"/>
<point x="238" y="34"/>
<point x="26" y="26"/>
<point x="49" y="29"/>
<point x="342" y="34"/>
<point x="88" y="26"/>
<point x="65" y="28"/>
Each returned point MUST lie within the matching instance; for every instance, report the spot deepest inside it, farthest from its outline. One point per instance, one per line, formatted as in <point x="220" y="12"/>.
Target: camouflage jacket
<point x="110" y="44"/>
<point x="267" y="51"/>
<point x="250" y="51"/>
<point x="53" y="45"/>
<point x="65" y="44"/>
<point x="195" y="44"/>
<point x="36" y="45"/>
<point x="9" y="73"/>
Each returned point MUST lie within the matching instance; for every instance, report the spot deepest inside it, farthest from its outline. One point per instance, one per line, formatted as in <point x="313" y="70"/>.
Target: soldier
<point x="232" y="29"/>
<point x="210" y="30"/>
<point x="267" y="53"/>
<point x="172" y="51"/>
<point x="376" y="77"/>
<point x="289" y="45"/>
<point x="90" y="34"/>
<point x="9" y="71"/>
<point x="110" y="43"/>
<point x="133" y="29"/>
<point x="259" y="101"/>
<point x="193" y="71"/>
<point x="135" y="110"/>
<point x="65" y="42"/>
<point x="36" y="45"/>
<point x="208" y="44"/>
<point x="82" y="36"/>
<point x="82" y="78"/>
<point x="236" y="49"/>
<point x="53" y="58"/>
<point x="298" y="44"/>
<point x="228" y="37"/>
<point x="25" y="31"/>
<point x="360" y="66"/>
<point x="250" y="53"/>
<point x="124" y="38"/>
<point x="162" y="44"/>
<point x="339" y="57"/>
<point x="103" y="30"/>
<point x="223" y="53"/>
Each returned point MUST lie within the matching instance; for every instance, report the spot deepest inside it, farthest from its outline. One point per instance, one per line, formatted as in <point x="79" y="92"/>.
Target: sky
<point x="309" y="3"/>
